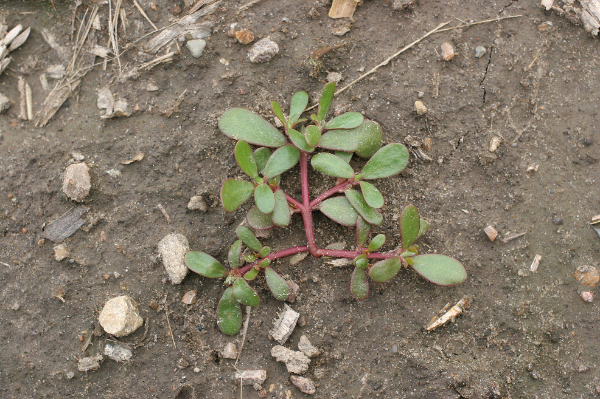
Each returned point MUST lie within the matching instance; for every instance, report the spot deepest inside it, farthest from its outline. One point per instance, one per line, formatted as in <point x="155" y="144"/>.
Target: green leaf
<point x="278" y="112"/>
<point x="284" y="158"/>
<point x="297" y="106"/>
<point x="409" y="226"/>
<point x="362" y="232"/>
<point x="349" y="120"/>
<point x="299" y="141"/>
<point x="372" y="196"/>
<point x="229" y="313"/>
<point x="440" y="269"/>
<point x="332" y="165"/>
<point x="245" y="158"/>
<point x="242" y="124"/>
<point x="251" y="258"/>
<point x="235" y="192"/>
<point x="423" y="227"/>
<point x="359" y="285"/>
<point x="407" y="254"/>
<point x="339" y="210"/>
<point x="264" y="252"/>
<point x="371" y="215"/>
<point x="385" y="270"/>
<point x="277" y="284"/>
<point x="281" y="212"/>
<point x="264" y="263"/>
<point x="204" y="264"/>
<point x="234" y="254"/>
<point x="251" y="274"/>
<point x="388" y="161"/>
<point x="259" y="220"/>
<point x="361" y="261"/>
<point x="264" y="198"/>
<point x="261" y="155"/>
<point x="326" y="99"/>
<point x="244" y="293"/>
<point x="346" y="156"/>
<point x="312" y="134"/>
<point x="365" y="140"/>
<point x="376" y="242"/>
<point x="248" y="238"/>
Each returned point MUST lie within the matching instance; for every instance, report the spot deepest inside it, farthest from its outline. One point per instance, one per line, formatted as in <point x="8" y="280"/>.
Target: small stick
<point x="156" y="61"/>
<point x="509" y="239"/>
<point x="29" y="101"/>
<point x="449" y="315"/>
<point x="246" y="323"/>
<point x="135" y="3"/>
<point x="535" y="57"/>
<point x="164" y="212"/>
<point x="480" y="22"/>
<point x="87" y="342"/>
<point x="57" y="14"/>
<point x="22" y="98"/>
<point x="248" y="5"/>
<point x="168" y="322"/>
<point x="536" y="263"/>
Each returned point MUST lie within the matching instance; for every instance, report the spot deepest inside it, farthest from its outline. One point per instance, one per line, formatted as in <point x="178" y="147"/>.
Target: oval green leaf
<point x="339" y="210"/>
<point x="247" y="236"/>
<point x="229" y="313"/>
<point x="359" y="284"/>
<point x="264" y="198"/>
<point x="297" y="106"/>
<point x="388" y="161"/>
<point x="277" y="284"/>
<point x="245" y="159"/>
<point x="377" y="242"/>
<point x="259" y="220"/>
<point x="349" y="120"/>
<point x="362" y="232"/>
<point x="234" y="193"/>
<point x="312" y="134"/>
<point x="204" y="264"/>
<point x="440" y="269"/>
<point x="261" y="155"/>
<point x="423" y="227"/>
<point x="281" y="215"/>
<point x="278" y="112"/>
<point x="365" y="140"/>
<point x="283" y="159"/>
<point x="361" y="262"/>
<point x="264" y="252"/>
<point x="372" y="196"/>
<point x="299" y="141"/>
<point x="242" y="124"/>
<point x="385" y="270"/>
<point x="251" y="274"/>
<point x="325" y="102"/>
<point x="409" y="226"/>
<point x="371" y="215"/>
<point x="244" y="293"/>
<point x="332" y="165"/>
<point x="234" y="254"/>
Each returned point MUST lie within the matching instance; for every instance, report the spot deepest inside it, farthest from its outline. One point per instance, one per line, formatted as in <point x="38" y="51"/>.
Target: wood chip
<point x="284" y="325"/>
<point x="491" y="232"/>
<point x="450" y="314"/>
<point x="535" y="264"/>
<point x="29" y="101"/>
<point x="65" y="226"/>
<point x="22" y="98"/>
<point x="342" y="8"/>
<point x="138" y="157"/>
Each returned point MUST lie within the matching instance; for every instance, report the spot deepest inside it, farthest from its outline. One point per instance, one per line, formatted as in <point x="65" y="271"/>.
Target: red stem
<point x="292" y="201"/>
<point x="307" y="211"/>
<point x="340" y="188"/>
<point x="273" y="256"/>
<point x="353" y="254"/>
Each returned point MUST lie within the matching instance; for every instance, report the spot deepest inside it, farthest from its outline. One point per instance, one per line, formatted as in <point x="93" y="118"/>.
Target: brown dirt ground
<point x="529" y="335"/>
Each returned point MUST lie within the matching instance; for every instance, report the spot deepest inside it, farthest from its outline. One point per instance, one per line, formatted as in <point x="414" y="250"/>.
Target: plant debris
<point x="64" y="227"/>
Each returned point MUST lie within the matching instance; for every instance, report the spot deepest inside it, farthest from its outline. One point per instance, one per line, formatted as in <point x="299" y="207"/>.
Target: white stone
<point x="420" y="107"/>
<point x="172" y="249"/>
<point x="118" y="353"/>
<point x="295" y="362"/>
<point x="229" y="351"/>
<point x="60" y="252"/>
<point x="263" y="50"/>
<point x="196" y="47"/>
<point x="77" y="181"/>
<point x="197" y="204"/>
<point x="120" y="316"/>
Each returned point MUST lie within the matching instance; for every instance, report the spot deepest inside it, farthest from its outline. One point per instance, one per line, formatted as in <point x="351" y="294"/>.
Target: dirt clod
<point x="304" y="384"/>
<point x="77" y="181"/>
<point x="263" y="50"/>
<point x="172" y="249"/>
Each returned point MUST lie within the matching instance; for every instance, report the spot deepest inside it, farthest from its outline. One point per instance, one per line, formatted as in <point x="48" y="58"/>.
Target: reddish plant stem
<point x="307" y="211"/>
<point x="273" y="256"/>
<point x="353" y="254"/>
<point x="334" y="190"/>
<point x="292" y="201"/>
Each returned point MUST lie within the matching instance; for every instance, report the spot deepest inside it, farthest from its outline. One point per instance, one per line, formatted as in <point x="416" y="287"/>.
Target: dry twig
<point x="164" y="212"/>
<point x="135" y="3"/>
<point x="246" y="323"/>
<point x="168" y="322"/>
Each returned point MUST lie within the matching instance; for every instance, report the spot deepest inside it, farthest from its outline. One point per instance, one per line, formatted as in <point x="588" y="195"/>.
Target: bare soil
<point x="526" y="335"/>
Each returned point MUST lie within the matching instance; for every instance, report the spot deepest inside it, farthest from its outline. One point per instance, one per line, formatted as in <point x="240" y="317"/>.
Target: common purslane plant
<point x="353" y="201"/>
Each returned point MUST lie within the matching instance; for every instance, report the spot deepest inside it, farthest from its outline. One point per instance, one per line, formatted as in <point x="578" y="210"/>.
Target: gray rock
<point x="197" y="204"/>
<point x="480" y="51"/>
<point x="77" y="181"/>
<point x="263" y="50"/>
<point x="118" y="353"/>
<point x="306" y="385"/>
<point x="89" y="363"/>
<point x="307" y="348"/>
<point x="172" y="249"/>
<point x="120" y="316"/>
<point x="229" y="351"/>
<point x="196" y="47"/>
<point x="295" y="362"/>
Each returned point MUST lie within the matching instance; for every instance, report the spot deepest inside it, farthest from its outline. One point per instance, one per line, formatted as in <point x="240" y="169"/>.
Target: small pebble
<point x="153" y="6"/>
<point x="586" y="142"/>
<point x="70" y="375"/>
<point x="394" y="349"/>
<point x="172" y="249"/>
<point x="587" y="275"/>
<point x="197" y="204"/>
<point x="196" y="47"/>
<point x="301" y="321"/>
<point x="304" y="384"/>
<point x="77" y="182"/>
<point x="263" y="50"/>
<point x="251" y="377"/>
<point x="61" y="252"/>
<point x="480" y="51"/>
<point x="244" y="36"/>
<point x="447" y="51"/>
<point x="587" y="296"/>
<point x="420" y="107"/>
<point x="307" y="348"/>
<point x="196" y="370"/>
<point x="491" y="232"/>
<point x="334" y="77"/>
<point x="189" y="298"/>
<point x="420" y="94"/>
<point x="120" y="316"/>
<point x="557" y="221"/>
<point x="229" y="351"/>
